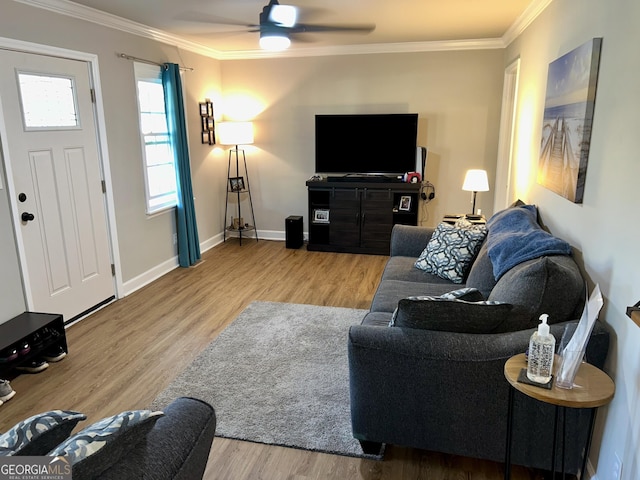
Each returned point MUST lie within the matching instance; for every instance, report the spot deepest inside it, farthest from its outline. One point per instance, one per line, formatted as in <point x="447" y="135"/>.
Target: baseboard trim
<point x="165" y="267"/>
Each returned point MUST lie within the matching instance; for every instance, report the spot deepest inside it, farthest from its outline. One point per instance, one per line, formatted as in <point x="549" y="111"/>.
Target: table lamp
<point x="475" y="181"/>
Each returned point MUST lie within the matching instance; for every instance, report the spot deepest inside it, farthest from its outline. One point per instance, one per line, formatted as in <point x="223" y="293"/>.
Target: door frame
<point x="505" y="166"/>
<point x="103" y="153"/>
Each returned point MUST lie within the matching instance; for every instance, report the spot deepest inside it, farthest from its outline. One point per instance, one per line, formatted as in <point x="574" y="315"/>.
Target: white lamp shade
<point x="235" y="133"/>
<point x="476" y="181"/>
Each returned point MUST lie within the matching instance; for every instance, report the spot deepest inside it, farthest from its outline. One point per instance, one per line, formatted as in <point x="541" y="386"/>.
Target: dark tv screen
<point x="366" y="143"/>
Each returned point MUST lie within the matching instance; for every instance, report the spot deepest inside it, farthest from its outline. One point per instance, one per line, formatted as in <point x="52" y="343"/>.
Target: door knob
<point x="27" y="217"/>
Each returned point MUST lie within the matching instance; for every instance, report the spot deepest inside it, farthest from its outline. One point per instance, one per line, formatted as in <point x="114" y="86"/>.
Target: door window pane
<point x="48" y="101"/>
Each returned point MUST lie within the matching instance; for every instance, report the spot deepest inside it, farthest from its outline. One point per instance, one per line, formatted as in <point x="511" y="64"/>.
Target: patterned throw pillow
<point x="38" y="434"/>
<point x="97" y="447"/>
<point x="451" y="250"/>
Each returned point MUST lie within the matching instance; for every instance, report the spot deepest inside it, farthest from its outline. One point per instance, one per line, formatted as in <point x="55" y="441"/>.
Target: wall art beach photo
<point x="568" y="119"/>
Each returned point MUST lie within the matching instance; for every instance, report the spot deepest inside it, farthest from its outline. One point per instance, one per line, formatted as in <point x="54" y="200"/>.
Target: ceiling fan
<point x="279" y="23"/>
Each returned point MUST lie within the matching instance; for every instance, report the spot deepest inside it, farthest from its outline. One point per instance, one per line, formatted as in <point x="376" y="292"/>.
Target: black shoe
<point x="54" y="354"/>
<point x="24" y="347"/>
<point x="34" y="366"/>
<point x="36" y="340"/>
<point x="8" y="355"/>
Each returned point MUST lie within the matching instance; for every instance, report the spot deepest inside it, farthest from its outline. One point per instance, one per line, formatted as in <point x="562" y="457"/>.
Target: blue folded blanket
<point x="514" y="236"/>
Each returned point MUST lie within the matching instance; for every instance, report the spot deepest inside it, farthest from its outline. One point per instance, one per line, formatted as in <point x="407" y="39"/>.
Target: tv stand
<point x="357" y="215"/>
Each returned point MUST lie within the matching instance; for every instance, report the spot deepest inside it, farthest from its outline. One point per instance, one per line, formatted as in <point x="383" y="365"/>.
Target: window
<point x="48" y="102"/>
<point x="159" y="167"/>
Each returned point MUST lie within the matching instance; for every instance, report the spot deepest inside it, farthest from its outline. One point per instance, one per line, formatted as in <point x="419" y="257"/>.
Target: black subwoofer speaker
<point x="293" y="231"/>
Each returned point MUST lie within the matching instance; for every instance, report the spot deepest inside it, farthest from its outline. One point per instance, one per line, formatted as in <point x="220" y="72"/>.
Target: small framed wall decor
<point x="207" y="122"/>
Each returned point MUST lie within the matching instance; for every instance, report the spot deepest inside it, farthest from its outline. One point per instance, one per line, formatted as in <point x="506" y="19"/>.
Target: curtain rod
<point x="150" y="62"/>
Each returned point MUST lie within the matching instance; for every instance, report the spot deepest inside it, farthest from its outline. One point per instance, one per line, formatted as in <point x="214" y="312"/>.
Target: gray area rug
<point x="278" y="375"/>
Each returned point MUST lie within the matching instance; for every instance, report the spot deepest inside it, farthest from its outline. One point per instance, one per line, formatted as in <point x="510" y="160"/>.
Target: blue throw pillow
<point x="99" y="446"/>
<point x="38" y="434"/>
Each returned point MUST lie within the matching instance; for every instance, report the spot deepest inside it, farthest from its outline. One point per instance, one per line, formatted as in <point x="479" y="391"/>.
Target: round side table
<point x="592" y="388"/>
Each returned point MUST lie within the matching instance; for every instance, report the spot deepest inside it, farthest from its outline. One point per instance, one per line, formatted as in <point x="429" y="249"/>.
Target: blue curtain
<point x="188" y="243"/>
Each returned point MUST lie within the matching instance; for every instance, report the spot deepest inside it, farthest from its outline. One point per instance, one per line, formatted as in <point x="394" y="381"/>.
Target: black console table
<point x="22" y="327"/>
<point x="358" y="216"/>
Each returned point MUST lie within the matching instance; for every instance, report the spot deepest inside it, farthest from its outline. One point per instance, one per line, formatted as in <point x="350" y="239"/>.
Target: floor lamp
<point x="237" y="133"/>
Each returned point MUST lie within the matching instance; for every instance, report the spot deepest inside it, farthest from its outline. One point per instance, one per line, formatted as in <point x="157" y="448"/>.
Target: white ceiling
<point x="407" y="25"/>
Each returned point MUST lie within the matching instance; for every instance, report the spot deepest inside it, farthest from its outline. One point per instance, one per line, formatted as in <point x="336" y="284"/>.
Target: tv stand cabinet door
<point x="377" y="220"/>
<point x="344" y="230"/>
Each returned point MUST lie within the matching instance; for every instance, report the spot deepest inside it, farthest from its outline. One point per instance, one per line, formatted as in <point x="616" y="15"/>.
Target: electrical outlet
<point x="617" y="468"/>
<point x="175" y="238"/>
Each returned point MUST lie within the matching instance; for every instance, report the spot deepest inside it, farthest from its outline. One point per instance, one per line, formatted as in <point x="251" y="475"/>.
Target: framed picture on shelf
<point x="209" y="109"/>
<point x="236" y="184"/>
<point x="405" y="203"/>
<point x="321" y="215"/>
<point x="203" y="109"/>
<point x="205" y="137"/>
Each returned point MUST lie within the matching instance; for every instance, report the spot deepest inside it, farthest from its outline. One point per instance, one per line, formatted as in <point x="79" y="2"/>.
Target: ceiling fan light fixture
<point x="283" y="15"/>
<point x="274" y="42"/>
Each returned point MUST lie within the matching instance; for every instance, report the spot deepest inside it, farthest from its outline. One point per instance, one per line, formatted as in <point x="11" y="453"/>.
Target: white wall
<point x="456" y="94"/>
<point x="604" y="229"/>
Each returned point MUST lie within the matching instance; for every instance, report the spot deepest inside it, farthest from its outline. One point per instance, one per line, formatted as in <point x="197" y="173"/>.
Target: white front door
<point x="54" y="166"/>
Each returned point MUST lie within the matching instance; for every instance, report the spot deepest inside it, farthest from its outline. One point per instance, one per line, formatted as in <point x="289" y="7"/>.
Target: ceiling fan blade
<point x="310" y="28"/>
<point x="208" y="18"/>
<point x="298" y="38"/>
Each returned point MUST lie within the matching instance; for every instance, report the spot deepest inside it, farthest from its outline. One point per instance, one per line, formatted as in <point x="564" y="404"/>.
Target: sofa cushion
<point x="451" y="315"/>
<point x="451" y="250"/>
<point x="552" y="285"/>
<point x="481" y="273"/>
<point x="95" y="448"/>
<point x="402" y="268"/>
<point x="391" y="291"/>
<point x="38" y="434"/>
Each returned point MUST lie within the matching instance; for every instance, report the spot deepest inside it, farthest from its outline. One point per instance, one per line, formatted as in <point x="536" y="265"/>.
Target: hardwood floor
<point x="122" y="356"/>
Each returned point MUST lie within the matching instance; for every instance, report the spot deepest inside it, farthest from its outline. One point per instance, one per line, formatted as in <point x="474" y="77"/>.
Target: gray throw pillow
<point x="452" y="315"/>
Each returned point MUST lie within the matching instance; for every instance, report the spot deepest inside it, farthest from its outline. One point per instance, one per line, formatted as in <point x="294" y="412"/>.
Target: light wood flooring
<point x="122" y="356"/>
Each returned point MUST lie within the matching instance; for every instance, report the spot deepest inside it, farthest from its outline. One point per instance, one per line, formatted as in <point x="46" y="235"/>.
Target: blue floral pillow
<point x="451" y="250"/>
<point x="38" y="434"/>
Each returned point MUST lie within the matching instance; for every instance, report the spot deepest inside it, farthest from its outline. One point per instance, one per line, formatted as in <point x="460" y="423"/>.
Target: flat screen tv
<point x="366" y="144"/>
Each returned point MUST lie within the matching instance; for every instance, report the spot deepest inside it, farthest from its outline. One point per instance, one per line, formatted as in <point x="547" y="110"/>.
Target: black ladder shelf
<point x="236" y="187"/>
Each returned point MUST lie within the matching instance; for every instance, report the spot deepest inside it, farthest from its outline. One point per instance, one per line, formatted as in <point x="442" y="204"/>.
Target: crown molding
<point x="523" y="21"/>
<point x="406" y="47"/>
<point x="81" y="12"/>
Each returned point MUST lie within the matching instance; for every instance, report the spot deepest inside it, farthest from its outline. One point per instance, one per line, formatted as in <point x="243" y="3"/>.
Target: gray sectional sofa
<point x="435" y="379"/>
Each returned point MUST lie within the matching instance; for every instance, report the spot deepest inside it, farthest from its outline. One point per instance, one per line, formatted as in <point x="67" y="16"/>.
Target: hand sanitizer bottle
<point x="541" y="349"/>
